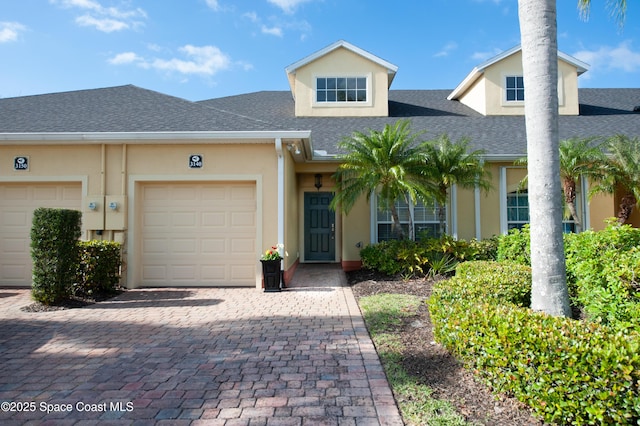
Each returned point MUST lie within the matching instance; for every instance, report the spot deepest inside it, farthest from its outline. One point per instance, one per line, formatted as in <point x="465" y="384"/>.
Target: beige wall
<point x="341" y="63"/>
<point x="487" y="95"/>
<point x="115" y="171"/>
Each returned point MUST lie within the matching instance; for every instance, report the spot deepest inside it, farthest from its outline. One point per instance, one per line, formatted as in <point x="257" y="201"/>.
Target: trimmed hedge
<point x="99" y="269"/>
<point x="567" y="371"/>
<point x="54" y="238"/>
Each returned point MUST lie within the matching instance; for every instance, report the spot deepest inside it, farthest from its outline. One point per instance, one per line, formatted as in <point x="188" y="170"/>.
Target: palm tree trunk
<point x="570" y="195"/>
<point x="538" y="29"/>
<point x="396" y="221"/>
<point x="627" y="204"/>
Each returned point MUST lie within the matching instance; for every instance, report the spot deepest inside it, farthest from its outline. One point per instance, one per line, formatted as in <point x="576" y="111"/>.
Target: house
<point x="196" y="191"/>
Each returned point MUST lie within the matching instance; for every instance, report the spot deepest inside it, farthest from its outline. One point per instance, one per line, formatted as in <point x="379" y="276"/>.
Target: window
<point x="341" y="89"/>
<point x="518" y="212"/>
<point x="514" y="89"/>
<point x="425" y="220"/>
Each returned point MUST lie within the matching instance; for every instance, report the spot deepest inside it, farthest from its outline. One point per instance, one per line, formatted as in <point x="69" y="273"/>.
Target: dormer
<point x="341" y="80"/>
<point x="496" y="87"/>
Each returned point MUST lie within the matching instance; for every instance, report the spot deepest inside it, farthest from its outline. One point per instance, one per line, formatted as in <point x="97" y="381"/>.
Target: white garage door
<point x="17" y="203"/>
<point x="198" y="234"/>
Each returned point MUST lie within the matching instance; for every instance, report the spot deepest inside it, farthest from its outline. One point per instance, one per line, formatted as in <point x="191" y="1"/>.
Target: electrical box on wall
<point x="115" y="212"/>
<point x="93" y="212"/>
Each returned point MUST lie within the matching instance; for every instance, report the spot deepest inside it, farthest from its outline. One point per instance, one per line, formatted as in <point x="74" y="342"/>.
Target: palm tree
<point x="579" y="159"/>
<point x="623" y="173"/>
<point x="450" y="163"/>
<point x="539" y="37"/>
<point x="388" y="162"/>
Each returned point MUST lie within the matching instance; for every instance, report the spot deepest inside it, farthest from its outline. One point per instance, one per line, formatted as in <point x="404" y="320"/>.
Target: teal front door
<point x="319" y="227"/>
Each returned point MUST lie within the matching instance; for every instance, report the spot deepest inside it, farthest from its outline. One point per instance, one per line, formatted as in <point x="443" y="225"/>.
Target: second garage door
<point x="17" y="203"/>
<point x="198" y="234"/>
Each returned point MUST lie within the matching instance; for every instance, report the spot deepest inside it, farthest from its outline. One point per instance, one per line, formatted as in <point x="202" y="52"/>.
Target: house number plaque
<point x="195" y="161"/>
<point x="21" y="163"/>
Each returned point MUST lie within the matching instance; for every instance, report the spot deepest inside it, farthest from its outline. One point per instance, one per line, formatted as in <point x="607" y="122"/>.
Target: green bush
<point x="567" y="371"/>
<point x="603" y="269"/>
<point x="54" y="238"/>
<point x="425" y="257"/>
<point x="515" y="246"/>
<point x="99" y="269"/>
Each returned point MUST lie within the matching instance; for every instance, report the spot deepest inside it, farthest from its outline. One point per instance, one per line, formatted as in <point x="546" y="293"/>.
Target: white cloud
<point x="9" y="31"/>
<point x="619" y="58"/>
<point x="446" y="49"/>
<point x="287" y="6"/>
<point x="483" y="56"/>
<point x="105" y="19"/>
<point x="202" y="60"/>
<point x="213" y="4"/>
<point x="275" y="31"/>
<point x="125" y="58"/>
<point x="105" y="25"/>
<point x="251" y="16"/>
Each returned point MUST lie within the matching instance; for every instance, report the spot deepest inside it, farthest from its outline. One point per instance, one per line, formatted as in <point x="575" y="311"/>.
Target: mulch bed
<point x="433" y="365"/>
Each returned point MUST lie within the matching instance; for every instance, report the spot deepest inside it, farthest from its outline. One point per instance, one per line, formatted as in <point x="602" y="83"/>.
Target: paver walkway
<point x="217" y="356"/>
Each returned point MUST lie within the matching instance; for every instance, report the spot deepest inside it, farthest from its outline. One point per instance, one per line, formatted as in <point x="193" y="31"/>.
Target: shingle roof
<point x="603" y="112"/>
<point x="114" y="109"/>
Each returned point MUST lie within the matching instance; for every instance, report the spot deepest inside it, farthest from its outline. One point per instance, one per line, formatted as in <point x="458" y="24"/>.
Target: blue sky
<point x="202" y="49"/>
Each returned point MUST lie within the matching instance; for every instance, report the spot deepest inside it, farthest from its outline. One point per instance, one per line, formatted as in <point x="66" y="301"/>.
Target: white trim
<point x="392" y="69"/>
<point x="83" y="179"/>
<point x="475" y="73"/>
<point x="280" y="155"/>
<point x="454" y="211"/>
<point x="586" y="208"/>
<point x="477" y="212"/>
<point x="373" y="218"/>
<point x="152" y="137"/>
<point x="503" y="200"/>
<point x="342" y="104"/>
<point x="132" y="279"/>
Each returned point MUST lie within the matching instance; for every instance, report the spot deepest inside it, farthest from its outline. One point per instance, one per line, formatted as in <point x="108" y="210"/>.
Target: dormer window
<point x="514" y="88"/>
<point x="341" y="89"/>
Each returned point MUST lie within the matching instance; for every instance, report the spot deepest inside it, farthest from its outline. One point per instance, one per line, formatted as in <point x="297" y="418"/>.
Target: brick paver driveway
<point x="188" y="356"/>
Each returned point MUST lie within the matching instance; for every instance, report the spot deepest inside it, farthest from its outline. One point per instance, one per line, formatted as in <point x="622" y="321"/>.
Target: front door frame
<point x="329" y="229"/>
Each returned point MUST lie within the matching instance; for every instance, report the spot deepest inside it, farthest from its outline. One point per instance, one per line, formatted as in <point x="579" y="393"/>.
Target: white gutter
<point x="280" y="155"/>
<point x="72" y="138"/>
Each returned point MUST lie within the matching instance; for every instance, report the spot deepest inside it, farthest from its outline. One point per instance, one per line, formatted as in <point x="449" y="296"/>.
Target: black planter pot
<point x="271" y="275"/>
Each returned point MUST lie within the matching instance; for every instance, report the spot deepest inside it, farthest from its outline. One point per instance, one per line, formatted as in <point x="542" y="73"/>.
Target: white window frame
<point x="375" y="211"/>
<point x="505" y="90"/>
<point x="342" y="104"/>
<point x="504" y="206"/>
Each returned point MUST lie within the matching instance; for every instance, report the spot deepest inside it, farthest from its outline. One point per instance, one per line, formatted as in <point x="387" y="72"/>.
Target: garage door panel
<point x="214" y="219"/>
<point x="185" y="219"/>
<point x="155" y="219"/>
<point x="211" y="236"/>
<point x="156" y="272"/>
<point x="17" y="203"/>
<point x="155" y="245"/>
<point x="185" y="246"/>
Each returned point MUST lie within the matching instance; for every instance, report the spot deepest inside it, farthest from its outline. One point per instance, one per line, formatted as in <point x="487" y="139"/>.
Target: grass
<point x="383" y="314"/>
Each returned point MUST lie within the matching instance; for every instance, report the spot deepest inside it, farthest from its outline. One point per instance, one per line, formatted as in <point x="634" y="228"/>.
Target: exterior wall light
<point x="93" y="205"/>
<point x="318" y="181"/>
<point x="113" y="205"/>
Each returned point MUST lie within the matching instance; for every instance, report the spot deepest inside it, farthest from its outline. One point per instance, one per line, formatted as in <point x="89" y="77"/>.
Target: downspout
<point x="103" y="185"/>
<point x="280" y="155"/>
